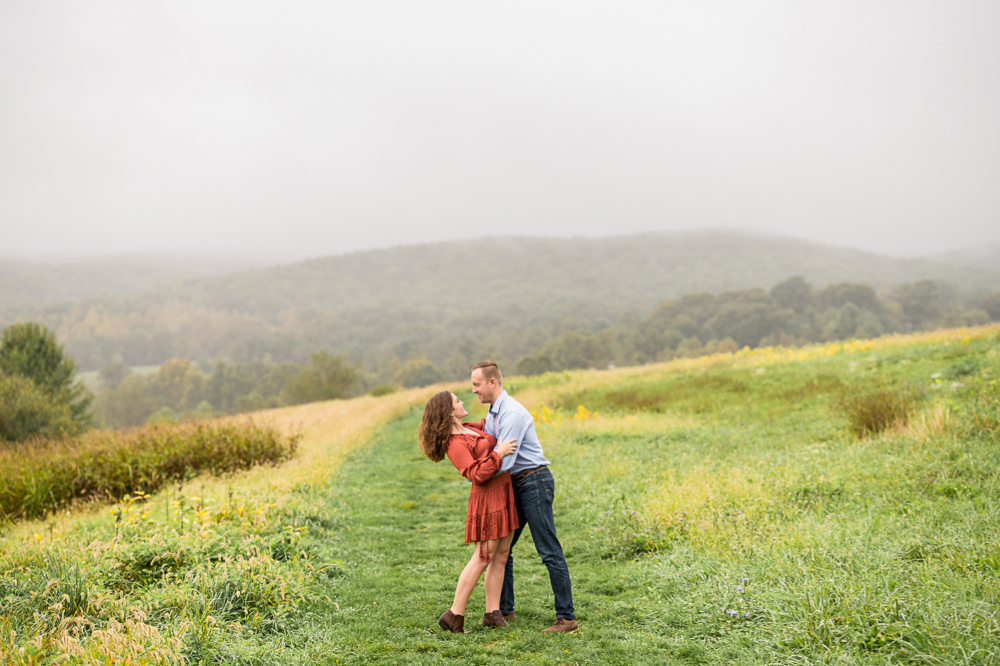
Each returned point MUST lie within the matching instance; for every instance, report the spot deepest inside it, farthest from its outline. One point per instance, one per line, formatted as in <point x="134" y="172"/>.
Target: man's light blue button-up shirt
<point x="508" y="419"/>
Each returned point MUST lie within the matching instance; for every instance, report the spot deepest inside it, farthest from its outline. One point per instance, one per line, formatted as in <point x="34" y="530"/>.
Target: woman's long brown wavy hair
<point x="435" y="427"/>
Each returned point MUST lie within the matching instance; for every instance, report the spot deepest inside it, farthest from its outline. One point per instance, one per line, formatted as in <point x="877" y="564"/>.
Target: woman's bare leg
<point x="471" y="574"/>
<point x="495" y="571"/>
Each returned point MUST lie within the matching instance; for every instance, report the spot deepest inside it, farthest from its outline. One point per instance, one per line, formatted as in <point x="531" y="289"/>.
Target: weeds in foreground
<point x="162" y="586"/>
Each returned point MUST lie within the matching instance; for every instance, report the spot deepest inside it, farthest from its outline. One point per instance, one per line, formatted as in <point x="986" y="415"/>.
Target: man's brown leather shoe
<point x="568" y="626"/>
<point x="509" y="617"/>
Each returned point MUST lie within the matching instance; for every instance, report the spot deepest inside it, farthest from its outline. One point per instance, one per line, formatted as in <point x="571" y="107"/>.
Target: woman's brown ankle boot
<point x="453" y="623"/>
<point x="498" y="620"/>
<point x="488" y="619"/>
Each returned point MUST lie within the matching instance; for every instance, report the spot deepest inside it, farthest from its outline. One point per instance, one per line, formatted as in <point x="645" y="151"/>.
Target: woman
<point x="491" y="518"/>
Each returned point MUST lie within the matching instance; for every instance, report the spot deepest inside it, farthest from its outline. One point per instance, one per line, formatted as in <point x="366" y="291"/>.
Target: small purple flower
<point x="732" y="612"/>
<point x="746" y="580"/>
<point x="747" y="614"/>
<point x="739" y="588"/>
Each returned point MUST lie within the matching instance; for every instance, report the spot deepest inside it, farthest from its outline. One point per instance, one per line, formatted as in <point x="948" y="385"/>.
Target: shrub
<point x="26" y="411"/>
<point x="163" y="415"/>
<point x="873" y="410"/>
<point x="383" y="389"/>
<point x="44" y="474"/>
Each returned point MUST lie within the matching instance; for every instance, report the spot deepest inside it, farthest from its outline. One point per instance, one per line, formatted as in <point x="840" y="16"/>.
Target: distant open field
<point x="725" y="509"/>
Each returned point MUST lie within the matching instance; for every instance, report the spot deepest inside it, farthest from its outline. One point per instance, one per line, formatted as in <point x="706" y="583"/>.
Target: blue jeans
<point x="533" y="496"/>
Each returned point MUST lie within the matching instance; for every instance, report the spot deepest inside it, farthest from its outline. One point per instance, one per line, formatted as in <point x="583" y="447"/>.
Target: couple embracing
<point x="512" y="487"/>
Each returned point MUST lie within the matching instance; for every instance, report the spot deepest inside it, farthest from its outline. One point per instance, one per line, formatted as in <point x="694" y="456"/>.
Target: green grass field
<point x="712" y="511"/>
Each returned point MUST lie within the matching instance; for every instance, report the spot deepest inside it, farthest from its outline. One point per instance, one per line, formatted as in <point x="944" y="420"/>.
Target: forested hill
<point x="567" y="276"/>
<point x="623" y="273"/>
<point x="503" y="297"/>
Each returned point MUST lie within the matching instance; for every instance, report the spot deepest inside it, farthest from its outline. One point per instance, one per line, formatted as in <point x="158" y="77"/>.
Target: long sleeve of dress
<point x="477" y="471"/>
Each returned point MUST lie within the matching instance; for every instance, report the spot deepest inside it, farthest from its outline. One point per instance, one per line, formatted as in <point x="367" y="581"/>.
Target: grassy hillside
<point x="713" y="510"/>
<point x="450" y="301"/>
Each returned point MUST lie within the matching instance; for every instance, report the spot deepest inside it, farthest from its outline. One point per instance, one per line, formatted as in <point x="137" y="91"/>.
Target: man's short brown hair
<point x="490" y="371"/>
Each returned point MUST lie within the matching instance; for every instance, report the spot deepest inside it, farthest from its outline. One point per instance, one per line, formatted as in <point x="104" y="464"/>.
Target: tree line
<point x="41" y="396"/>
<point x="792" y="313"/>
<point x="38" y="394"/>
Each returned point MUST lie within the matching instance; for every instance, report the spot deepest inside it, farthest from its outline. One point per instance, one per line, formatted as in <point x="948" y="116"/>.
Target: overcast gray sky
<point x="295" y="129"/>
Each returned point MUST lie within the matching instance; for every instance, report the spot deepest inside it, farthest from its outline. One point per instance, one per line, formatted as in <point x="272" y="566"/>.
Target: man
<point x="534" y="491"/>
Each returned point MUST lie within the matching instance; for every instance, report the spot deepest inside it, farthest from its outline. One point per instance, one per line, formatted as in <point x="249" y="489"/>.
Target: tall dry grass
<point x="875" y="409"/>
<point x="42" y="475"/>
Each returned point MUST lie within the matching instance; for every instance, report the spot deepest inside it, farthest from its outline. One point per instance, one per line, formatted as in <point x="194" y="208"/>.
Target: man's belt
<point x="525" y="473"/>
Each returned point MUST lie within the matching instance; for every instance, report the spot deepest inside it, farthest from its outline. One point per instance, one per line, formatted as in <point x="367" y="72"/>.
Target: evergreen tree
<point x="30" y="350"/>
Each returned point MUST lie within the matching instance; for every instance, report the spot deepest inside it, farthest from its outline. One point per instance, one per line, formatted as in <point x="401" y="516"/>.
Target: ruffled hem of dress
<point x="493" y="525"/>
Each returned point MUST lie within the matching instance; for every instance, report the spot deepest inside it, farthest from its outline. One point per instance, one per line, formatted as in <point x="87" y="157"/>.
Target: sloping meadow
<point x="835" y="502"/>
<point x="728" y="509"/>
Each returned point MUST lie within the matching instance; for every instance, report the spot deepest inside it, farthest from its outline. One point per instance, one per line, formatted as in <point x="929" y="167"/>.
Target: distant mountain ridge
<point x="29" y="283"/>
<point x="409" y="300"/>
<point x="638" y="270"/>
<point x="674" y="264"/>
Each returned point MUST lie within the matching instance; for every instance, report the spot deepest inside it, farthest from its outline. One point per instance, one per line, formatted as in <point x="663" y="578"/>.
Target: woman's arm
<point x="477" y="471"/>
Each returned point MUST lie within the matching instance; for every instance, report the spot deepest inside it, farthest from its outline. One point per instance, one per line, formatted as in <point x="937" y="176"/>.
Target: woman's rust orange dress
<point x="492" y="513"/>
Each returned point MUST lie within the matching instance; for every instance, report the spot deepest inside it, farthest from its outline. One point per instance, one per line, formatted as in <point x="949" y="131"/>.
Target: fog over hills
<point x="30" y="282"/>
<point x="985" y="256"/>
<point x="648" y="266"/>
<point x="418" y="299"/>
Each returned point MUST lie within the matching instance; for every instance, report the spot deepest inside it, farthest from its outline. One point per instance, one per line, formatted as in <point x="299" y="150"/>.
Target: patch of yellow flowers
<point x="555" y="417"/>
<point x="769" y="355"/>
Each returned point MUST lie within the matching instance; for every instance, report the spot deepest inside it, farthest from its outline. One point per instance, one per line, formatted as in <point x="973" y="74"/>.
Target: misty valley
<point x="411" y="316"/>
